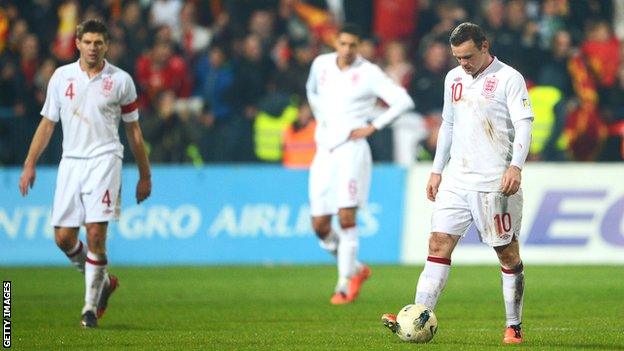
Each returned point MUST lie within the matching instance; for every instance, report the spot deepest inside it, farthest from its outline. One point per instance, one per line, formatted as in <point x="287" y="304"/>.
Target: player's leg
<point x="433" y="278"/>
<point x="95" y="270"/>
<point x="68" y="213"/>
<point x="328" y="238"/>
<point x="450" y="220"/>
<point x="352" y="186"/>
<point x="512" y="278"/>
<point x="323" y="200"/>
<point x="101" y="200"/>
<point x="67" y="240"/>
<point x="498" y="219"/>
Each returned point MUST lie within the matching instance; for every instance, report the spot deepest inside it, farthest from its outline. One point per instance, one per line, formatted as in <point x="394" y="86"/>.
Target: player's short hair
<point x="468" y="31"/>
<point x="92" y="26"/>
<point x="351" y="28"/>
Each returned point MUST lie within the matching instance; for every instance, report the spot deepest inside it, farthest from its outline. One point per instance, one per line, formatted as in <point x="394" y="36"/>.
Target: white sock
<point x="432" y="280"/>
<point x="347" y="257"/>
<point x="512" y="281"/>
<point x="330" y="244"/>
<point x="78" y="255"/>
<point x="95" y="279"/>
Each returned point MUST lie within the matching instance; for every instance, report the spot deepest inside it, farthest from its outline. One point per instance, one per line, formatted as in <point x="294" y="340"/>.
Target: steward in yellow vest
<point x="299" y="144"/>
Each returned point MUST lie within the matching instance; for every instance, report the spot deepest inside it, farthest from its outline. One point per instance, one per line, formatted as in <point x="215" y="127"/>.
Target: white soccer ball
<point x="416" y="323"/>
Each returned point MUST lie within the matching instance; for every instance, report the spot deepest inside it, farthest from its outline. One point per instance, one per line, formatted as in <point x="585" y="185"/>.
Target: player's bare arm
<point x="363" y="132"/>
<point x="39" y="143"/>
<point x="511" y="180"/>
<point x="432" y="186"/>
<point x="137" y="146"/>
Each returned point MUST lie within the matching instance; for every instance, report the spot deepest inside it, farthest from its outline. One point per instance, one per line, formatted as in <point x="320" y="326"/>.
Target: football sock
<point x="330" y="244"/>
<point x="78" y="255"/>
<point x="513" y="293"/>
<point x="95" y="279"/>
<point x="347" y="254"/>
<point x="432" y="280"/>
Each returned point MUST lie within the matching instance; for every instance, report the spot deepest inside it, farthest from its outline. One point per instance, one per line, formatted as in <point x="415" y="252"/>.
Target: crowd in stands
<point x="224" y="80"/>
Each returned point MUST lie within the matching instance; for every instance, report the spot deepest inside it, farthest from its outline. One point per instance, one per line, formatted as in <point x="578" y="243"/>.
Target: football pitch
<point x="287" y="308"/>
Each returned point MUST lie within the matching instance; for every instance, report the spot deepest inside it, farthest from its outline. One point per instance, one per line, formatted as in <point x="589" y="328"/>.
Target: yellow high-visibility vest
<point x="269" y="133"/>
<point x="543" y="101"/>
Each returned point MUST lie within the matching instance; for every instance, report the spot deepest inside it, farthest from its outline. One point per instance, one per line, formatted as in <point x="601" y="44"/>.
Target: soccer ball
<point x="416" y="323"/>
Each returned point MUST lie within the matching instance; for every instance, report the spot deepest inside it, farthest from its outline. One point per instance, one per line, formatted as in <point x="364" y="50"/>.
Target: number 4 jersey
<point x="482" y="111"/>
<point x="90" y="108"/>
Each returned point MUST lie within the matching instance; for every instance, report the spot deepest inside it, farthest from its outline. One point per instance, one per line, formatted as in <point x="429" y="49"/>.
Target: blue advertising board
<point x="213" y="215"/>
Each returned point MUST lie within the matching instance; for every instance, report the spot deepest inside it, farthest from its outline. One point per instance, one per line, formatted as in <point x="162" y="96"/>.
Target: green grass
<point x="287" y="308"/>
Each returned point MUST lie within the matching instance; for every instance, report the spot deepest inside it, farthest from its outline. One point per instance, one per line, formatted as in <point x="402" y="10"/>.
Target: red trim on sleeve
<point x="441" y="260"/>
<point x="129" y="107"/>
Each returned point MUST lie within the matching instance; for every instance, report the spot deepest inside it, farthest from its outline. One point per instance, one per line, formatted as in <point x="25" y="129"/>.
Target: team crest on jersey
<point x="355" y="78"/>
<point x="489" y="87"/>
<point x="107" y="84"/>
<point x="323" y="77"/>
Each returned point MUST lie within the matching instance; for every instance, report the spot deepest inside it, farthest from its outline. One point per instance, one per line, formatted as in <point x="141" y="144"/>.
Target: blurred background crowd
<point x="224" y="80"/>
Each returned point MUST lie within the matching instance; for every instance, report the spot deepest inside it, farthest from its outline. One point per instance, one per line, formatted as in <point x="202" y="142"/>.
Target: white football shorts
<point x="87" y="191"/>
<point x="497" y="217"/>
<point x="340" y="178"/>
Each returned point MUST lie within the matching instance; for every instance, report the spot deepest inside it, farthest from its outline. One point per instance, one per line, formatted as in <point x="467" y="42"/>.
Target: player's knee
<point x="321" y="228"/>
<point x="347" y="222"/>
<point x="440" y="246"/>
<point x="64" y="242"/>
<point x="509" y="259"/>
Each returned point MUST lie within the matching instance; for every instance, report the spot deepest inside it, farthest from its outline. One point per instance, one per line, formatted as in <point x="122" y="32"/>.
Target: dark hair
<point x="468" y="31"/>
<point x="351" y="28"/>
<point x="92" y="26"/>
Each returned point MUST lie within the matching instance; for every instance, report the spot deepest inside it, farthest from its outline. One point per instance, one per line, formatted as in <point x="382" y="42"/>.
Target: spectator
<point x="159" y="70"/>
<point x="215" y="82"/>
<point x="427" y="85"/>
<point x="299" y="145"/>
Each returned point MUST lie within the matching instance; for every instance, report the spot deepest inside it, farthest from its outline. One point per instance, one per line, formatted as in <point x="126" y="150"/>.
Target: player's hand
<point x="511" y="181"/>
<point x="27" y="180"/>
<point x="432" y="186"/>
<point x="363" y="132"/>
<point x="143" y="189"/>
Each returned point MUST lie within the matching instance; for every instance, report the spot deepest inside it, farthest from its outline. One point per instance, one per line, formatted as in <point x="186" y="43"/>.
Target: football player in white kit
<point x="343" y="89"/>
<point x="89" y="97"/>
<point x="486" y="132"/>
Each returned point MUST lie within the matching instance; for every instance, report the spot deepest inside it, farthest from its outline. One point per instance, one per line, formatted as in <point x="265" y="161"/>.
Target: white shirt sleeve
<point x="128" y="100"/>
<point x="522" y="142"/>
<point x="52" y="106"/>
<point x="445" y="134"/>
<point x="394" y="95"/>
<point x="518" y="102"/>
<point x="312" y="89"/>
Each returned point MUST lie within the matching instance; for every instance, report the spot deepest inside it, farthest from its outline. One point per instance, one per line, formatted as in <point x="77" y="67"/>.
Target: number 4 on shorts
<point x="106" y="198"/>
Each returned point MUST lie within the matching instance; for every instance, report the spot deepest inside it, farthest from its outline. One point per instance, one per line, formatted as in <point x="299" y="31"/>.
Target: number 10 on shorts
<point x="503" y="223"/>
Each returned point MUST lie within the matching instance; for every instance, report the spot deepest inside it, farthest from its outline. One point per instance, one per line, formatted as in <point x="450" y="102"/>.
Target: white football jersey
<point x="482" y="111"/>
<point x="90" y="109"/>
<point x="343" y="100"/>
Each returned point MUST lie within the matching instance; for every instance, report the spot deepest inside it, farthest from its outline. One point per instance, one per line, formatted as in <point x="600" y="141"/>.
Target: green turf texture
<point x="287" y="308"/>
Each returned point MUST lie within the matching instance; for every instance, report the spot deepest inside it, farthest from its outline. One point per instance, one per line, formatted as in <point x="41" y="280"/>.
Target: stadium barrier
<point x="214" y="215"/>
<point x="573" y="213"/>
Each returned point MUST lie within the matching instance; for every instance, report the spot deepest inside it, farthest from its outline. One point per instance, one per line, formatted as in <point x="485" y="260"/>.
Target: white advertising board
<point x="573" y="213"/>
